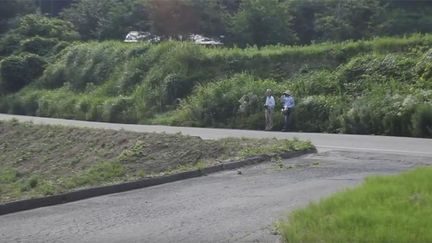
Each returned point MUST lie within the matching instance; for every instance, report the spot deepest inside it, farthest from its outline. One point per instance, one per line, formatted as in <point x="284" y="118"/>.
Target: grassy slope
<point x="384" y="209"/>
<point x="43" y="160"/>
<point x="338" y="86"/>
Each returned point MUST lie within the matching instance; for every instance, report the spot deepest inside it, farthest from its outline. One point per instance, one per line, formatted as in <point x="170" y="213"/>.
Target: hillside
<point x="381" y="86"/>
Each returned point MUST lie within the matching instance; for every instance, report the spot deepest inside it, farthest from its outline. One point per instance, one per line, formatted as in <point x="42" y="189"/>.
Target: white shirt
<point x="270" y="102"/>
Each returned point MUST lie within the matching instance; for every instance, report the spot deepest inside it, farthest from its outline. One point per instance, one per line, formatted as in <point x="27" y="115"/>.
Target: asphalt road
<point x="385" y="144"/>
<point x="221" y="207"/>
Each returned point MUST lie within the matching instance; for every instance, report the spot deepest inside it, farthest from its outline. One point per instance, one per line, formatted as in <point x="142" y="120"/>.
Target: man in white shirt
<point x="269" y="108"/>
<point x="287" y="106"/>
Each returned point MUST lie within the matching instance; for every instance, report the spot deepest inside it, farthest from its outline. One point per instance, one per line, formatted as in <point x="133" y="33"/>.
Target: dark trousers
<point x="287" y="121"/>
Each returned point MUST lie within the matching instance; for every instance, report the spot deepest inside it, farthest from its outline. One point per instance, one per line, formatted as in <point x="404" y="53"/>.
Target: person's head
<point x="268" y="92"/>
<point x="287" y="93"/>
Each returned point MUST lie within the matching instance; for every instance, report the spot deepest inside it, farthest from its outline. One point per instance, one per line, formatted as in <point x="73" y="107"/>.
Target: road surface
<point x="221" y="207"/>
<point x="386" y="144"/>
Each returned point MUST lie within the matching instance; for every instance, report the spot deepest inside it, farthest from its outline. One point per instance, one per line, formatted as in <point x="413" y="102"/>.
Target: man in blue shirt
<point x="287" y="106"/>
<point x="269" y="108"/>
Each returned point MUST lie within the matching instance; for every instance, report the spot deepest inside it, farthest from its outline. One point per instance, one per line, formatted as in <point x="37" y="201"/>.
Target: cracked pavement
<point x="221" y="207"/>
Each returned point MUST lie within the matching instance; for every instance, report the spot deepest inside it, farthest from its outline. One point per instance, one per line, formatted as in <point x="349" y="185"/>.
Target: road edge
<point x="28" y="204"/>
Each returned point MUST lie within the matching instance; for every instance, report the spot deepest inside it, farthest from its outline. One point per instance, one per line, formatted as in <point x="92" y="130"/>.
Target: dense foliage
<point x="382" y="86"/>
<point x="18" y="71"/>
<point x="240" y="22"/>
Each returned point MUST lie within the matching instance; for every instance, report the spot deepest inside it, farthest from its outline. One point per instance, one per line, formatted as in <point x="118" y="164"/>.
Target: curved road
<point x="387" y="144"/>
<point x="222" y="207"/>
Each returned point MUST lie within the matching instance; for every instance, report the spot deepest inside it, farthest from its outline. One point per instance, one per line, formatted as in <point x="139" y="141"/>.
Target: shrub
<point x="319" y="82"/>
<point x="422" y="121"/>
<point x="59" y="47"/>
<point x="84" y="63"/>
<point x="18" y="71"/>
<point x="424" y="70"/>
<point x="120" y="109"/>
<point x="9" y="43"/>
<point x="60" y="103"/>
<point x="38" y="45"/>
<point x="365" y="115"/>
<point x="32" y="26"/>
<point x="312" y="113"/>
<point x="384" y="114"/>
<point x="36" y="25"/>
<point x="361" y="72"/>
<point x="12" y="104"/>
<point x="29" y="102"/>
<point x="219" y="103"/>
<point x="176" y="69"/>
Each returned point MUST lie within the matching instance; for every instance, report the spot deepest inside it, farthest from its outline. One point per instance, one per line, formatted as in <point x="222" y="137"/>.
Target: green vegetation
<point x="384" y="209"/>
<point x="380" y="86"/>
<point x="40" y="160"/>
<point x="376" y="86"/>
<point x="241" y="22"/>
<point x="16" y="71"/>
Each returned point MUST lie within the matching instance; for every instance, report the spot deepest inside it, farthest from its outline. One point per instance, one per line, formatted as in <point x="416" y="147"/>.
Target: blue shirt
<point x="288" y="102"/>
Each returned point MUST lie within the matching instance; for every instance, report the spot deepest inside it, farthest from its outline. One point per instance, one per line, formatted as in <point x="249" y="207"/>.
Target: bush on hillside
<point x="366" y="115"/>
<point x="422" y="121"/>
<point x="17" y="71"/>
<point x="399" y="115"/>
<point x="37" y="25"/>
<point x="60" y="46"/>
<point x="120" y="109"/>
<point x="33" y="26"/>
<point x="11" y="104"/>
<point x="424" y="70"/>
<point x="83" y="64"/>
<point x="176" y="69"/>
<point x="312" y="113"/>
<point x="361" y="72"/>
<point x="222" y="103"/>
<point x="317" y="82"/>
<point x="9" y="43"/>
<point x="51" y="105"/>
<point x="38" y="45"/>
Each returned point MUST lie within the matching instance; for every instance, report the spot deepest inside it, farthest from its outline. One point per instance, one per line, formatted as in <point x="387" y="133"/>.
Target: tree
<point x="88" y="16"/>
<point x="10" y="9"/>
<point x="304" y="14"/>
<point x="212" y="15"/>
<point x="124" y="17"/>
<point x="35" y="25"/>
<point x="262" y="22"/>
<point x="173" y="18"/>
<point x="349" y="19"/>
<point x="108" y="19"/>
<point x="52" y="7"/>
<point x="403" y="17"/>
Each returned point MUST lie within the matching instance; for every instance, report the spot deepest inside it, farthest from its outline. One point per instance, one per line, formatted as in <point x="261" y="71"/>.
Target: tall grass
<point x="339" y="87"/>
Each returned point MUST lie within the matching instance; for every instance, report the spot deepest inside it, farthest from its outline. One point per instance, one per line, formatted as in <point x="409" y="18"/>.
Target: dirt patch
<point x="44" y="160"/>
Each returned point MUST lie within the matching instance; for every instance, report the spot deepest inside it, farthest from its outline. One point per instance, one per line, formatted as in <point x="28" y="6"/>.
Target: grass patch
<point x="384" y="209"/>
<point x="38" y="160"/>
